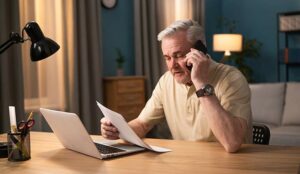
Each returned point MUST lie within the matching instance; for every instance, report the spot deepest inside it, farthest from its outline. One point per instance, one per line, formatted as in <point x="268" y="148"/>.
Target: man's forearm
<point x="229" y="130"/>
<point x="140" y="128"/>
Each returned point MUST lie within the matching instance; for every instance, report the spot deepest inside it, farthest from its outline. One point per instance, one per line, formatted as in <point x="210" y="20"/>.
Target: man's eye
<point x="167" y="58"/>
<point x="179" y="55"/>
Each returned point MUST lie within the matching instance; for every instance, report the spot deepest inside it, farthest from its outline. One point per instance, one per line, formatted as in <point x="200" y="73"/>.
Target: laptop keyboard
<point x="107" y="149"/>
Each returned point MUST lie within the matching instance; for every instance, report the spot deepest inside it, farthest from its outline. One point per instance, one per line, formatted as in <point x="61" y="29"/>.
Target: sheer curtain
<point x="173" y="10"/>
<point x="71" y="79"/>
<point x="44" y="80"/>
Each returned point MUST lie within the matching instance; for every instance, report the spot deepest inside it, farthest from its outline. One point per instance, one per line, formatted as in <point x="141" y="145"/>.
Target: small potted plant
<point x="120" y="62"/>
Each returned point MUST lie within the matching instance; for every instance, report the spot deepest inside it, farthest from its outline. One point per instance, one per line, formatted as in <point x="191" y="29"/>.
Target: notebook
<point x="72" y="134"/>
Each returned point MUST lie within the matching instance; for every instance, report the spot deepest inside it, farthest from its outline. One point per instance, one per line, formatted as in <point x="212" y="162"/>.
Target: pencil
<point x="30" y="116"/>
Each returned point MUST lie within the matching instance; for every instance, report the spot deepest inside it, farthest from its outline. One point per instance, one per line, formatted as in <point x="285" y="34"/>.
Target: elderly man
<point x="209" y="102"/>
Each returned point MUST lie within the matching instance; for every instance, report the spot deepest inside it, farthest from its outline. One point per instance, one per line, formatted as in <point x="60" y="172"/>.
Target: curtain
<point x="86" y="84"/>
<point x="198" y="9"/>
<point x="148" y="58"/>
<point x="44" y="80"/>
<point x="11" y="90"/>
<point x="174" y="10"/>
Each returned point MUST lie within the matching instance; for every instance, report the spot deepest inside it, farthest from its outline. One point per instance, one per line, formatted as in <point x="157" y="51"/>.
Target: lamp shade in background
<point x="228" y="43"/>
<point x="41" y="47"/>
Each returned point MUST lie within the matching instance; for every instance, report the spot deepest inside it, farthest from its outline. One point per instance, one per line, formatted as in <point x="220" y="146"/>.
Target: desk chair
<point x="261" y="134"/>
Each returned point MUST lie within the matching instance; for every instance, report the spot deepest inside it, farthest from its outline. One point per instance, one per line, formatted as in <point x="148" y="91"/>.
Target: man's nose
<point x="174" y="62"/>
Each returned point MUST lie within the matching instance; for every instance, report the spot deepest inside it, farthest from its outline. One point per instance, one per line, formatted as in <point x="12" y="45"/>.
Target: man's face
<point x="174" y="49"/>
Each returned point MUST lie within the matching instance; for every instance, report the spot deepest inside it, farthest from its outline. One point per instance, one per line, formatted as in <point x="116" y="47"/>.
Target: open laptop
<point x="72" y="134"/>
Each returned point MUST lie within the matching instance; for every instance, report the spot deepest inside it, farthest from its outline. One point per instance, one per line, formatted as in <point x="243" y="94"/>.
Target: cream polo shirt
<point x="182" y="109"/>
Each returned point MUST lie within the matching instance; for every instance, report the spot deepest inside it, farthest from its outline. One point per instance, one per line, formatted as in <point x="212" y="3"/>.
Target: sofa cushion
<point x="285" y="135"/>
<point x="291" y="114"/>
<point x="267" y="102"/>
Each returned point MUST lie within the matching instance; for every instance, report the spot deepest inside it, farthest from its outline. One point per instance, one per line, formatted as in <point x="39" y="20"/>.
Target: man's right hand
<point x="108" y="130"/>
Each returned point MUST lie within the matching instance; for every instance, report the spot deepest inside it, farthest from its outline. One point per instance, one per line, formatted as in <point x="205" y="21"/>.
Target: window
<point x="176" y="9"/>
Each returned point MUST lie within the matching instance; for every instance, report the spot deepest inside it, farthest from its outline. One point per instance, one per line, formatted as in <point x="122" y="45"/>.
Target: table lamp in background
<point x="227" y="43"/>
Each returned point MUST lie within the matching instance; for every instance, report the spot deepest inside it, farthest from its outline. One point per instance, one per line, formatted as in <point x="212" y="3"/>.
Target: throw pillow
<point x="267" y="101"/>
<point x="291" y="113"/>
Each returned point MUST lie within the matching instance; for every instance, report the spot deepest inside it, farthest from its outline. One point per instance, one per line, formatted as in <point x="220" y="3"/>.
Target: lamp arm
<point x="14" y="38"/>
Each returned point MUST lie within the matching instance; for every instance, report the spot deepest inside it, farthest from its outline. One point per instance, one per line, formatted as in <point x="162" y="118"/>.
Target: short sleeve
<point x="153" y="112"/>
<point x="234" y="95"/>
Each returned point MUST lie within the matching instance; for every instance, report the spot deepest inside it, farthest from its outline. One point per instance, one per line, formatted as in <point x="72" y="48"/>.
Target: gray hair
<point x="194" y="30"/>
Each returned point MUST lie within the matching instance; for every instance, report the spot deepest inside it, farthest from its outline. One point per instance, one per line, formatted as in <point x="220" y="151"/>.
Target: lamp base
<point x="227" y="53"/>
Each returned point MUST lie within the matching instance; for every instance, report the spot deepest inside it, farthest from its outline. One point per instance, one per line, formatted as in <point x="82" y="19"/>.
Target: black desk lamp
<point x="41" y="47"/>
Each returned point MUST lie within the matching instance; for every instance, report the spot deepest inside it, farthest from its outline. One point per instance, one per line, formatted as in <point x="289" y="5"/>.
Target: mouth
<point x="178" y="73"/>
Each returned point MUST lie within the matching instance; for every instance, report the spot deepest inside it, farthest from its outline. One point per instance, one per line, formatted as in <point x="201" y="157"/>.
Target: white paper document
<point x="126" y="133"/>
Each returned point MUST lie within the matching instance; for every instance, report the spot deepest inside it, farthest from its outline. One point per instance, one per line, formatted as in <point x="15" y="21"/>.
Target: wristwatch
<point x="206" y="90"/>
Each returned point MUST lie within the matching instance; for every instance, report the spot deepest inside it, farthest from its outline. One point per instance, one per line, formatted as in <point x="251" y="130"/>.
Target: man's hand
<point x="199" y="72"/>
<point x="108" y="130"/>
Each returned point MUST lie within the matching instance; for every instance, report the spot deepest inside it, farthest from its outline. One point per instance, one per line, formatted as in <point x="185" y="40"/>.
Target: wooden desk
<point x="48" y="156"/>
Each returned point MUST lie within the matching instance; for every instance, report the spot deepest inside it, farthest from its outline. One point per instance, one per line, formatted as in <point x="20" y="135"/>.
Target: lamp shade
<point x="41" y="47"/>
<point x="227" y="43"/>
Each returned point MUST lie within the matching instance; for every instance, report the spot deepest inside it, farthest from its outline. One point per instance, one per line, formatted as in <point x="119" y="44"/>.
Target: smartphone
<point x="200" y="47"/>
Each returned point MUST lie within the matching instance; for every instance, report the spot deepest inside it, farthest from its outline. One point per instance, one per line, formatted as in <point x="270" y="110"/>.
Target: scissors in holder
<point x="24" y="126"/>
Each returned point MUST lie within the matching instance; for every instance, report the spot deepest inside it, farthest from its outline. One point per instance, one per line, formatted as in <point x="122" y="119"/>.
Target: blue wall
<point x="213" y="11"/>
<point x="257" y="19"/>
<point x="117" y="32"/>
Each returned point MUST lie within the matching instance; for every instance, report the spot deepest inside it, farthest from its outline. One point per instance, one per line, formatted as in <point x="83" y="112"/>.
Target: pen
<point x="12" y="117"/>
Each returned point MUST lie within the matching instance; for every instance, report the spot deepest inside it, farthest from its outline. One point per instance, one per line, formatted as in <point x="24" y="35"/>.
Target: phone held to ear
<point x="200" y="47"/>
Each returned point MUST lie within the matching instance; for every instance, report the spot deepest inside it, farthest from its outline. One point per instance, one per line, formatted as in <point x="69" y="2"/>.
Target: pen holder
<point x="18" y="146"/>
<point x="3" y="150"/>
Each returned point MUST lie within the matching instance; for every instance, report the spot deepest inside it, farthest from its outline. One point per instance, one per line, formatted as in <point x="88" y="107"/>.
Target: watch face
<point x="109" y="3"/>
<point x="209" y="90"/>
